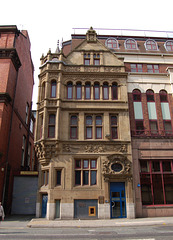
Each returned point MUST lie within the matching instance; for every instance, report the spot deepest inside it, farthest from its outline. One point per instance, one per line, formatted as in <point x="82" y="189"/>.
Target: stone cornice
<point x="10" y="53"/>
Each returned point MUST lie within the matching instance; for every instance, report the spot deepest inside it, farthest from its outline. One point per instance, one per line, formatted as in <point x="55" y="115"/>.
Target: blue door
<point x="117" y="200"/>
<point x="44" y="206"/>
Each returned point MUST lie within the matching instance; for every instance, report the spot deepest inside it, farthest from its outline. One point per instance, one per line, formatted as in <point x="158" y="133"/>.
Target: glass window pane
<point x="87" y="92"/>
<point x="51" y="131"/>
<point x="114" y="132"/>
<point x="105" y="93"/>
<point x="168" y="184"/>
<point x="93" y="177"/>
<point x="96" y="92"/>
<point x="113" y="120"/>
<point x="166" y="165"/>
<point x="88" y="120"/>
<point x="155" y="166"/>
<point x="98" y="120"/>
<point x="73" y="120"/>
<point x="78" y="164"/>
<point x="69" y="92"/>
<point x="165" y="111"/>
<point x="73" y="132"/>
<point x="114" y="92"/>
<point x="53" y="89"/>
<point x="138" y="110"/>
<point x="51" y="119"/>
<point x="79" y="92"/>
<point x="85" y="163"/>
<point x="146" y="189"/>
<point x="89" y="132"/>
<point x="58" y="179"/>
<point x="85" y="177"/>
<point x="77" y="177"/>
<point x="93" y="163"/>
<point x="144" y="166"/>
<point x="157" y="189"/>
<point x="98" y="132"/>
<point x="152" y="110"/>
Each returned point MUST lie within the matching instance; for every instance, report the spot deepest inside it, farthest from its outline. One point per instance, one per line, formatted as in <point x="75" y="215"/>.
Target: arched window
<point x="136" y="95"/>
<point x="87" y="90"/>
<point x="114" y="91"/>
<point x="78" y="90"/>
<point x="112" y="43"/>
<point x="163" y="96"/>
<point x="138" y="112"/>
<point x="53" y="89"/>
<point x="69" y="90"/>
<point x="151" y="45"/>
<point x="51" y="126"/>
<point x="169" y="45"/>
<point x="130" y="44"/>
<point x="150" y="95"/>
<point x="96" y="91"/>
<point x="165" y="112"/>
<point x="105" y="91"/>
<point x="152" y="112"/>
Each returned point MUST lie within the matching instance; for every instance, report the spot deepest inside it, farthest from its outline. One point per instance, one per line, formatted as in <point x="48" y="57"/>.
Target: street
<point x="155" y="232"/>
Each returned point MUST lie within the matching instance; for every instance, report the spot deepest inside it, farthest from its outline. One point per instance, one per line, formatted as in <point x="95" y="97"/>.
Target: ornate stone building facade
<point x="83" y="137"/>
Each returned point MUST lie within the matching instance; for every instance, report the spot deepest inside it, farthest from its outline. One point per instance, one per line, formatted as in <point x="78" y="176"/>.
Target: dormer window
<point x="151" y="45"/>
<point x="169" y="45"/>
<point x="130" y="44"/>
<point x="86" y="59"/>
<point x="112" y="43"/>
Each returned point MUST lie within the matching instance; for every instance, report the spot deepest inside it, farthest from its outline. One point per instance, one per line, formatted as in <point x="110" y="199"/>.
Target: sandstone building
<point x="104" y="128"/>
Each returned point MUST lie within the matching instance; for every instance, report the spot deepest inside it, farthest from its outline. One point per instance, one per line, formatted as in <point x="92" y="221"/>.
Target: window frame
<point x="98" y="127"/>
<point x="105" y="88"/>
<point x="89" y="126"/>
<point x="51" y="125"/>
<point x="114" y="126"/>
<point x="136" y="68"/>
<point x="152" y="43"/>
<point x="85" y="180"/>
<point x="146" y="178"/>
<point x="87" y="59"/>
<point x="171" y="45"/>
<point x="129" y="43"/>
<point x="53" y="89"/>
<point x="88" y="86"/>
<point x="69" y="90"/>
<point x="112" y="42"/>
<point x="73" y="126"/>
<point x="96" y="87"/>
<point x="78" y="87"/>
<point x="114" y="86"/>
<point x="153" y="68"/>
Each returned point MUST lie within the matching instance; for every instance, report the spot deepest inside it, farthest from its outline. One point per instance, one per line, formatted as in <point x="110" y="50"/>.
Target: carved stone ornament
<point x="117" y="165"/>
<point x="45" y="151"/>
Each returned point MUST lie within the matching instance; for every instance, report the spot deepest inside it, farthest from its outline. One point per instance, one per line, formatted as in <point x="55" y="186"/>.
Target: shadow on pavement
<point x="21" y="218"/>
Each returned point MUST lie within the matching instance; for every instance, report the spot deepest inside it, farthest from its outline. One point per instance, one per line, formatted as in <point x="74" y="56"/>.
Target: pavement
<point x="31" y="221"/>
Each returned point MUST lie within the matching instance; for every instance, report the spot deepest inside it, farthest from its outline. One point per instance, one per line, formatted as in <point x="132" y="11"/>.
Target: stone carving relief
<point x="46" y="150"/>
<point x="116" y="165"/>
<point x="94" y="148"/>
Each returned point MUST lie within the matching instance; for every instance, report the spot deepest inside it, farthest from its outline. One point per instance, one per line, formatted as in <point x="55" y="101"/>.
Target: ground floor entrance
<point x="117" y="200"/>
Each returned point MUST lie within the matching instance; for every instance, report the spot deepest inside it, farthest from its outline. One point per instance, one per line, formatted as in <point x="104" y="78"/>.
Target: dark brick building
<point x="16" y="119"/>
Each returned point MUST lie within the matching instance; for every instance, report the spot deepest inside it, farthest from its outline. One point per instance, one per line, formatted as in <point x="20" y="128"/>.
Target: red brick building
<point x="16" y="119"/>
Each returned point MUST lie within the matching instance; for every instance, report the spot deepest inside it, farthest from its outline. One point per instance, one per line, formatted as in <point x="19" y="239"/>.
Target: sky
<point x="53" y="20"/>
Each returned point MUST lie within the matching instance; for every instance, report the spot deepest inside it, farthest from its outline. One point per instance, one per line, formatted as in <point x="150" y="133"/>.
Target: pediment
<point x="109" y="58"/>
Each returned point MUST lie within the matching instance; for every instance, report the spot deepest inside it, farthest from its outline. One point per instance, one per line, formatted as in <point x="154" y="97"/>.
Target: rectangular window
<point x="114" y="133"/>
<point x="89" y="127"/>
<point x="139" y="127"/>
<point x="78" y="91"/>
<point x="151" y="68"/>
<point x="98" y="127"/>
<point x="51" y="126"/>
<point x="58" y="177"/>
<point x="86" y="59"/>
<point x="136" y="67"/>
<point x="87" y="91"/>
<point x="74" y="127"/>
<point x="138" y="110"/>
<point x="96" y="59"/>
<point x="156" y="182"/>
<point x="96" y="91"/>
<point x="84" y="173"/>
<point x="167" y="127"/>
<point x="105" y="92"/>
<point x="153" y="127"/>
<point x="27" y="113"/>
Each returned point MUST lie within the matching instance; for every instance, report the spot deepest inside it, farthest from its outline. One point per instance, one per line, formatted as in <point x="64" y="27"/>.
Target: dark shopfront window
<point x="156" y="182"/>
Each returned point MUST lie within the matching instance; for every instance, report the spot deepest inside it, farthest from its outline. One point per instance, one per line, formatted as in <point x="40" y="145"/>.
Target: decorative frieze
<point x="94" y="148"/>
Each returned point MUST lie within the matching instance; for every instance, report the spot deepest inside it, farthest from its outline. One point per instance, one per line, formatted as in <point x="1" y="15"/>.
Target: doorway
<point x="117" y="200"/>
<point x="44" y="205"/>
